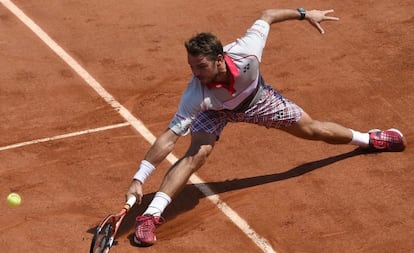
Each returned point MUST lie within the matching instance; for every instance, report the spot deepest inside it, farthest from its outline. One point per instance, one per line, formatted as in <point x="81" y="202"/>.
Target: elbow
<point x="267" y="16"/>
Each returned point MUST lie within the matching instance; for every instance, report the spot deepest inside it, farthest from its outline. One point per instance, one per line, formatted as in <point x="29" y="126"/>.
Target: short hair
<point x="206" y="44"/>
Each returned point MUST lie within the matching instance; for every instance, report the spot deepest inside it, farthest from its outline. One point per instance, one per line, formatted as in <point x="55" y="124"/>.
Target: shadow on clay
<point x="192" y="193"/>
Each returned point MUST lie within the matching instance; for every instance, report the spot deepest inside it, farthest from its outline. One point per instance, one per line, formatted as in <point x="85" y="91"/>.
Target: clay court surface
<point x="296" y="195"/>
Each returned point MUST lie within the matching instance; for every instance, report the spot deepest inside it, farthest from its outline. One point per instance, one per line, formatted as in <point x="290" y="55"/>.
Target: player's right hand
<point x="135" y="189"/>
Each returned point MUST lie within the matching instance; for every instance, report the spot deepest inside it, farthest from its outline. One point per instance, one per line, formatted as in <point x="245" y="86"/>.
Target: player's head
<point x="205" y="56"/>
<point x="206" y="44"/>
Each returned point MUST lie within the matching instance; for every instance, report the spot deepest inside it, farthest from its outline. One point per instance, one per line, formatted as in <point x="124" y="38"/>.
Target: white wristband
<point x="144" y="171"/>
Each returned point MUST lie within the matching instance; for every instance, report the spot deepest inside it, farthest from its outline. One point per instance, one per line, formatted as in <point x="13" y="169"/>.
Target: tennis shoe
<point x="145" y="230"/>
<point x="391" y="140"/>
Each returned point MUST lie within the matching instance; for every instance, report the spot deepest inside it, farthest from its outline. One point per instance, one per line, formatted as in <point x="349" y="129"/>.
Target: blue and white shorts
<point x="272" y="110"/>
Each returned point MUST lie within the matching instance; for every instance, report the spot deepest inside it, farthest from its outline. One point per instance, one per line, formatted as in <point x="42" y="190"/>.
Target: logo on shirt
<point x="247" y="67"/>
<point x="257" y="31"/>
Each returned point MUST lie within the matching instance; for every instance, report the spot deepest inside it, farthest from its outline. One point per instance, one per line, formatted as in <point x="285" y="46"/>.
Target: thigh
<point x="211" y="122"/>
<point x="330" y="132"/>
<point x="202" y="144"/>
<point x="302" y="128"/>
<point x="272" y="110"/>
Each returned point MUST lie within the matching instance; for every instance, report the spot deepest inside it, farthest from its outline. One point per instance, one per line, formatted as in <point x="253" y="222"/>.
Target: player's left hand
<point x="315" y="17"/>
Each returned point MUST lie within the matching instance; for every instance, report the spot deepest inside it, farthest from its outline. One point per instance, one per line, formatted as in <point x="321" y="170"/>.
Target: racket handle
<point x="130" y="202"/>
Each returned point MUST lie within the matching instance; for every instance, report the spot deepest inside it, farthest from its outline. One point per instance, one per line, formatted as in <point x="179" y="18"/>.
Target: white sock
<point x="158" y="204"/>
<point x="360" y="139"/>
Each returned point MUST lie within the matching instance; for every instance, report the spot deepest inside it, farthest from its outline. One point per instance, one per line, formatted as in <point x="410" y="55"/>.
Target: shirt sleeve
<point x="253" y="41"/>
<point x="188" y="109"/>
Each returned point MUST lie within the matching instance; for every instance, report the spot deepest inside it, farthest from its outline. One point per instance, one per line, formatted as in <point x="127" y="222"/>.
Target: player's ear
<point x="220" y="59"/>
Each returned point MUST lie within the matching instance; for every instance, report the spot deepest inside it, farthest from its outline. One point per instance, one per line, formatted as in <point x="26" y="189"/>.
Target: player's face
<point x="203" y="68"/>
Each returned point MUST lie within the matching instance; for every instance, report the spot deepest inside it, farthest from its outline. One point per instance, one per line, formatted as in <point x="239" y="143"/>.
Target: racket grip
<point x="130" y="202"/>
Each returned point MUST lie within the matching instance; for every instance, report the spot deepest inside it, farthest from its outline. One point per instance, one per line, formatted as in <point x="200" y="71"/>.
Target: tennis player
<point x="226" y="86"/>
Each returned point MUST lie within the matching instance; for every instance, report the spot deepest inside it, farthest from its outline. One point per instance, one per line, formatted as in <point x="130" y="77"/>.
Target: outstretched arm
<point x="315" y="17"/>
<point x="156" y="154"/>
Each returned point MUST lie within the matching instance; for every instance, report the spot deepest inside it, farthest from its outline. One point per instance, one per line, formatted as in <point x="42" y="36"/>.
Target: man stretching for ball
<point x="226" y="86"/>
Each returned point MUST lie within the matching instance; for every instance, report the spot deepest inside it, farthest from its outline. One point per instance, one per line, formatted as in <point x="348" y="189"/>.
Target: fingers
<point x="318" y="16"/>
<point x="137" y="196"/>
<point x="139" y="200"/>
<point x="135" y="189"/>
<point x="319" y="27"/>
<point x="329" y="17"/>
<point x="328" y="11"/>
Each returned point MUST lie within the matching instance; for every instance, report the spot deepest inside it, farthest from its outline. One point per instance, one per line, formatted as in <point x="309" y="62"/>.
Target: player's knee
<point x="200" y="157"/>
<point x="203" y="153"/>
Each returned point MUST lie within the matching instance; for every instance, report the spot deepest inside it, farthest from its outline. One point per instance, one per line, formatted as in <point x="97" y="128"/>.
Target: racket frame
<point x="114" y="220"/>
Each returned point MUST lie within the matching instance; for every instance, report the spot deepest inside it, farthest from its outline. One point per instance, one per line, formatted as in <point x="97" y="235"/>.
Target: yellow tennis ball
<point x="14" y="199"/>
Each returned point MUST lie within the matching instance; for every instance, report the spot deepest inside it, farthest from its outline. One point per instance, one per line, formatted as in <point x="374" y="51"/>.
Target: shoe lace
<point x="147" y="223"/>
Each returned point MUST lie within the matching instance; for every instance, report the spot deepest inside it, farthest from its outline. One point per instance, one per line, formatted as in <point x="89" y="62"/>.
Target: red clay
<point x="301" y="196"/>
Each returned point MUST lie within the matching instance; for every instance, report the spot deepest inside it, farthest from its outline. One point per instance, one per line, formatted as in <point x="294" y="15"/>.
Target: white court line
<point x="94" y="130"/>
<point x="261" y="242"/>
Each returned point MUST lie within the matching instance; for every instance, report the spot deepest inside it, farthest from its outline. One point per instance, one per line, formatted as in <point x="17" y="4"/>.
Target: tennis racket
<point x="105" y="233"/>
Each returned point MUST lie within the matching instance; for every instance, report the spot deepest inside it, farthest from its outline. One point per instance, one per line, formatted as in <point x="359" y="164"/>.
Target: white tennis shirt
<point x="243" y="57"/>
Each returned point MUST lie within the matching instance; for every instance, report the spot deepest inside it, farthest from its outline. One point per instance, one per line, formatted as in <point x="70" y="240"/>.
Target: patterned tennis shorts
<point x="272" y="110"/>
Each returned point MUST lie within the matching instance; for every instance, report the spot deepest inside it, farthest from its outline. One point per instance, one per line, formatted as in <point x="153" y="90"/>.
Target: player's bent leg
<point x="201" y="147"/>
<point x="310" y="129"/>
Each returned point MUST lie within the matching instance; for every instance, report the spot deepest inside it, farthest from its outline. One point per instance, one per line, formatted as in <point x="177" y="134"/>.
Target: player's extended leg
<point x="330" y="132"/>
<point x="333" y="133"/>
<point x="201" y="146"/>
<point x="273" y="110"/>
